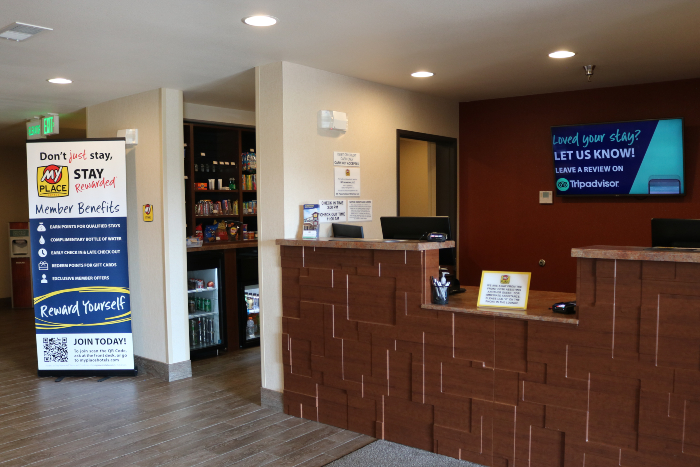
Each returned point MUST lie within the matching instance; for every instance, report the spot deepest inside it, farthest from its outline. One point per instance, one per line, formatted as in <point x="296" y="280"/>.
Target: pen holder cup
<point x="439" y="294"/>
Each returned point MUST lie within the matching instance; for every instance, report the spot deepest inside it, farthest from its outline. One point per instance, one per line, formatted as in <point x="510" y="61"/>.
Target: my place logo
<point x="52" y="181"/>
<point x="564" y="184"/>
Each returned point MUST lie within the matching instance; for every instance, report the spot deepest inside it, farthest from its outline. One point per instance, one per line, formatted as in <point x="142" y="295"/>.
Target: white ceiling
<point x="478" y="49"/>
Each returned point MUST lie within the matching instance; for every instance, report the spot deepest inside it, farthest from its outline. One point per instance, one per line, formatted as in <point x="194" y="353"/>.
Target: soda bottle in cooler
<point x="200" y="331"/>
<point x="193" y="333"/>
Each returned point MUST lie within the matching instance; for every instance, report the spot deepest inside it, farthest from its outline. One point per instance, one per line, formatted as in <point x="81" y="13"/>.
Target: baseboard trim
<point x="271" y="399"/>
<point x="164" y="371"/>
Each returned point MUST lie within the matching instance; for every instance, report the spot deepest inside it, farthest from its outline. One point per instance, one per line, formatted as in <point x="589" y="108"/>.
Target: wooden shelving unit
<point x="219" y="143"/>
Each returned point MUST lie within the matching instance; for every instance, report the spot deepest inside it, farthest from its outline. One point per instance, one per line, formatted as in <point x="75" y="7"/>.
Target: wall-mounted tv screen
<point x="640" y="158"/>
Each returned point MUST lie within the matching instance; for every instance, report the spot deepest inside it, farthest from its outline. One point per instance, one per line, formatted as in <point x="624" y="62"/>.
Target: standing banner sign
<point x="77" y="223"/>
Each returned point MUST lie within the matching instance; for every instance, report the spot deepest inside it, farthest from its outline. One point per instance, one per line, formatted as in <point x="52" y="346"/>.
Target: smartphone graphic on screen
<point x="664" y="185"/>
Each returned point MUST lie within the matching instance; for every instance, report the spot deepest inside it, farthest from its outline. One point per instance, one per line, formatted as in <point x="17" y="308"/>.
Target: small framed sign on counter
<point x="503" y="289"/>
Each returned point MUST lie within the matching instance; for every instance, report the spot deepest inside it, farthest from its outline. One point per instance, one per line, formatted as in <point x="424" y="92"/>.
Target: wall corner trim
<point x="164" y="371"/>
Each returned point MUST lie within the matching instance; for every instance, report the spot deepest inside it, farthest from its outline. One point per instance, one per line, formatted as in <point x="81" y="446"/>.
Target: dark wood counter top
<point x="537" y="306"/>
<point x="226" y="245"/>
<point x="367" y="244"/>
<point x="638" y="253"/>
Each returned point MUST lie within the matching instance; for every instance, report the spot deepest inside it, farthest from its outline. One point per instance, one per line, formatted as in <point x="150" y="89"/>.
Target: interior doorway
<point x="426" y="177"/>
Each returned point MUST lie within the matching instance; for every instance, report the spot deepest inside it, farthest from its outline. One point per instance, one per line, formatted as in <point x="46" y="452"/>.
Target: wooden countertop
<point x="367" y="244"/>
<point x="638" y="253"/>
<point x="226" y="245"/>
<point x="537" y="306"/>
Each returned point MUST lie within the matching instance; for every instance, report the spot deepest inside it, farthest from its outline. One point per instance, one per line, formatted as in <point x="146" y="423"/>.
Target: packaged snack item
<point x="198" y="232"/>
<point x="233" y="231"/>
<point x="210" y="233"/>
<point x="221" y="232"/>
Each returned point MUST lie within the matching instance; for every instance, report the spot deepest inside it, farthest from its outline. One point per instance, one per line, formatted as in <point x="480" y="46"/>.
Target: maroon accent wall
<point x="505" y="158"/>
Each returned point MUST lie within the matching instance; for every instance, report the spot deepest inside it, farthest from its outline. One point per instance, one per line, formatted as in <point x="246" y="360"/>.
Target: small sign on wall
<point x="346" y="159"/>
<point x="359" y="210"/>
<point x="332" y="210"/>
<point x="148" y="213"/>
<point x="347" y="181"/>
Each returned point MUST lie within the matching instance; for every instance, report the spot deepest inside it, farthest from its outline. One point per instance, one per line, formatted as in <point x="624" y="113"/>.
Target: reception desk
<point x="616" y="384"/>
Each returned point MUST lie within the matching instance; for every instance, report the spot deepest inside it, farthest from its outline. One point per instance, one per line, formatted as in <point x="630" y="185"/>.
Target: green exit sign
<point x="34" y="129"/>
<point x="41" y="127"/>
<point x="49" y="125"/>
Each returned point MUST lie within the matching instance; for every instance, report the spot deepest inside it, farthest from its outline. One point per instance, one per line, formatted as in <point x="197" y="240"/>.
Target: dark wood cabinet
<point x="21" y="283"/>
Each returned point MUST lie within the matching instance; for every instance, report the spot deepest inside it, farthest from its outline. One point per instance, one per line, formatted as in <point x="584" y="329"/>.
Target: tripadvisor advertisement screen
<point x="627" y="158"/>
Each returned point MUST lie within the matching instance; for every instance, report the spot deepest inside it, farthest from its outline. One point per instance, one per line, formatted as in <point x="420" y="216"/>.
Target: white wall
<point x="296" y="162"/>
<point x="157" y="254"/>
<point x="208" y="113"/>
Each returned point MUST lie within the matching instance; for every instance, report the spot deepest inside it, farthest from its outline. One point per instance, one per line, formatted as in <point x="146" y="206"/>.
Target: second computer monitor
<point x="678" y="233"/>
<point x="347" y="231"/>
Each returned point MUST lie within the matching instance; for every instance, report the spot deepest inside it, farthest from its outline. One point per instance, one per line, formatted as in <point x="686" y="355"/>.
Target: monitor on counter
<point x="635" y="158"/>
<point x="347" y="231"/>
<point x="675" y="233"/>
<point x="414" y="228"/>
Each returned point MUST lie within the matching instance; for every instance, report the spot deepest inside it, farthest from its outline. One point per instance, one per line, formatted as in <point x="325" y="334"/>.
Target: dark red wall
<point x="506" y="159"/>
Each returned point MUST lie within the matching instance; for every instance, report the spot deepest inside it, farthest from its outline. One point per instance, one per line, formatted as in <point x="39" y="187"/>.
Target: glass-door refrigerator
<point x="248" y="298"/>
<point x="206" y="307"/>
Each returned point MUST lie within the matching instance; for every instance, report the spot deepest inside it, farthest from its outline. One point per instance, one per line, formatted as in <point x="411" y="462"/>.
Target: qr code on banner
<point x="55" y="349"/>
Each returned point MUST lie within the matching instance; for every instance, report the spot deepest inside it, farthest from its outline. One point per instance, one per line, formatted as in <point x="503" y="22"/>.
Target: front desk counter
<point x="617" y="384"/>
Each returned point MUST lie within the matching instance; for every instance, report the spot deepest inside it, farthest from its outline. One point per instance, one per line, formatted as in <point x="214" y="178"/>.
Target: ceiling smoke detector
<point x="21" y="31"/>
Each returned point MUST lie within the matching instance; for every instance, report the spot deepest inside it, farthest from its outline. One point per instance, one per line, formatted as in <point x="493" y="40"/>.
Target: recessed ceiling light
<point x="562" y="54"/>
<point x="260" y="20"/>
<point x="422" y="74"/>
<point x="59" y="81"/>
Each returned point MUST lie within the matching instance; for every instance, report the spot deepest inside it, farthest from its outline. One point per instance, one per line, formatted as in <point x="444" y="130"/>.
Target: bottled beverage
<point x="200" y="330"/>
<point x="196" y="167"/>
<point x="208" y="304"/>
<point x="193" y="334"/>
<point x="250" y="328"/>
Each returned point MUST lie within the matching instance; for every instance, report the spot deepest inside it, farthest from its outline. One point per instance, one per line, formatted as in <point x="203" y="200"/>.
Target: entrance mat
<point x="388" y="454"/>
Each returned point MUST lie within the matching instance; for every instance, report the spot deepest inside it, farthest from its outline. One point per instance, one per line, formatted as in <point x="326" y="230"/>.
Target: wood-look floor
<point x="212" y="419"/>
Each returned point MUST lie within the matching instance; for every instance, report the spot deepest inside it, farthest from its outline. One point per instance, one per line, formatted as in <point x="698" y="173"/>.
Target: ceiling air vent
<point x="21" y="31"/>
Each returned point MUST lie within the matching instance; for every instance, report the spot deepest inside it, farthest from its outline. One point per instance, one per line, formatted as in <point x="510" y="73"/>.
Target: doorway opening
<point x="426" y="179"/>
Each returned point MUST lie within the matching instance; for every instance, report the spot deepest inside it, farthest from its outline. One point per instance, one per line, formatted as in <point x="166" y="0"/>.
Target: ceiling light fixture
<point x="260" y="20"/>
<point x="59" y="81"/>
<point x="562" y="54"/>
<point x="422" y="74"/>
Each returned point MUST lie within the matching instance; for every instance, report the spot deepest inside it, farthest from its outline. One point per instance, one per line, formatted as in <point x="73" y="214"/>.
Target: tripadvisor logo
<point x="562" y="184"/>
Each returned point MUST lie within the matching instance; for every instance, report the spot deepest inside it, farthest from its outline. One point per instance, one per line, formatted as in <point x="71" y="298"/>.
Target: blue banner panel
<point x="627" y="158"/>
<point x="80" y="263"/>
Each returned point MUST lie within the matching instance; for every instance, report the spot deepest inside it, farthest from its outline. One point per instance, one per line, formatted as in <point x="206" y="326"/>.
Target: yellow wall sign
<point x="503" y="289"/>
<point x="148" y="213"/>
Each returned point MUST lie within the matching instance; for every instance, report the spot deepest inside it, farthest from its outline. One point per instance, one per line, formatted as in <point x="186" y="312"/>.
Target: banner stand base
<point x="64" y="373"/>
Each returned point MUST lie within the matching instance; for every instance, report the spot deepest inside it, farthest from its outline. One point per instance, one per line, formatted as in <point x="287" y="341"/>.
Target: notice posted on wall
<point x="78" y="234"/>
<point x="346" y="159"/>
<point x="347" y="181"/>
<point x="359" y="210"/>
<point x="332" y="210"/>
<point x="502" y="289"/>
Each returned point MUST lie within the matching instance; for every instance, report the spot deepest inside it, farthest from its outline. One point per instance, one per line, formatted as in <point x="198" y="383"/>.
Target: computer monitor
<point x="414" y="228"/>
<point x="678" y="233"/>
<point x="347" y="231"/>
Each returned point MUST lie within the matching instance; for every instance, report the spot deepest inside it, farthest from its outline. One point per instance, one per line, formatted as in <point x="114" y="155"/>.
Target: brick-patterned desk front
<point x="621" y="388"/>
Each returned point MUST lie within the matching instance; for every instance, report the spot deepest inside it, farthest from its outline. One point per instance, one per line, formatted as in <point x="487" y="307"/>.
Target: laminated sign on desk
<point x="77" y="220"/>
<point x="503" y="289"/>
